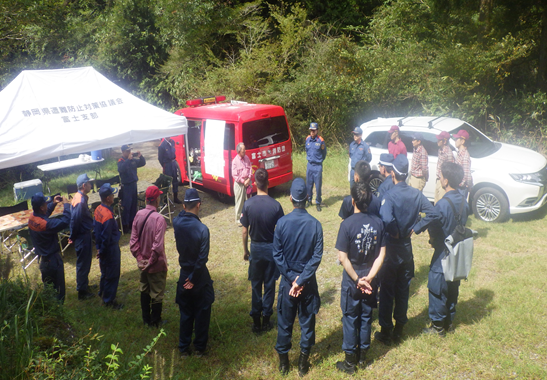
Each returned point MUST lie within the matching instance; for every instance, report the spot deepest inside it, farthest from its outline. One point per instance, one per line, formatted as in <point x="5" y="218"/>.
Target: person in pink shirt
<point x="148" y="247"/>
<point x="241" y="172"/>
<point x="396" y="145"/>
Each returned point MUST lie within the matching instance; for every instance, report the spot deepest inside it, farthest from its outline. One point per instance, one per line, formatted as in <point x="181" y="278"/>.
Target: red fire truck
<point x="215" y="129"/>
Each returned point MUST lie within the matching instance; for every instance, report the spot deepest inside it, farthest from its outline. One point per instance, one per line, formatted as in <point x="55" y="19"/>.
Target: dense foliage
<point x="335" y="62"/>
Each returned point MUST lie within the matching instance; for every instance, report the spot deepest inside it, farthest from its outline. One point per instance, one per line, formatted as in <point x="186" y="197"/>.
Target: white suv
<point x="507" y="179"/>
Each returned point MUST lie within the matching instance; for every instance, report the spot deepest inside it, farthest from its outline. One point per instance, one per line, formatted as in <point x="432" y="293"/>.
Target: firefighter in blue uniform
<point x="43" y="233"/>
<point x="386" y="167"/>
<point x="167" y="158"/>
<point x="316" y="151"/>
<point x="400" y="212"/>
<point x="81" y="223"/>
<point x="362" y="170"/>
<point x="358" y="150"/>
<point x="361" y="246"/>
<point x="195" y="293"/>
<point x="107" y="237"/>
<point x="443" y="295"/>
<point x="297" y="252"/>
<point x="127" y="167"/>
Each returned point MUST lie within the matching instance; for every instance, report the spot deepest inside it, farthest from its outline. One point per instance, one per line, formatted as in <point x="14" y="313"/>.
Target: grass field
<point x="501" y="322"/>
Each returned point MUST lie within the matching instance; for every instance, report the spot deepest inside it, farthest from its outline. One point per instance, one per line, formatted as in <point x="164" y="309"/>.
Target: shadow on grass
<point x="332" y="200"/>
<point x="530" y="216"/>
<point x="327" y="297"/>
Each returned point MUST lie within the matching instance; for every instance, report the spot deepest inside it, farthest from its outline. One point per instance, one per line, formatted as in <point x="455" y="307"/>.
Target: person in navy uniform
<point x="195" y="293"/>
<point x="297" y="251"/>
<point x="443" y="295"/>
<point x="400" y="212"/>
<point x="259" y="217"/>
<point x="43" y="233"/>
<point x="386" y="167"/>
<point x="362" y="174"/>
<point x="167" y="158"/>
<point x="107" y="237"/>
<point x="81" y="223"/>
<point x="361" y="246"/>
<point x="358" y="150"/>
<point x="316" y="151"/>
<point x="127" y="167"/>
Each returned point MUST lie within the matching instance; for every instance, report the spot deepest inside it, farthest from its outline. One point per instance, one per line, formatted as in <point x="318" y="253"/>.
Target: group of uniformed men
<point x="374" y="244"/>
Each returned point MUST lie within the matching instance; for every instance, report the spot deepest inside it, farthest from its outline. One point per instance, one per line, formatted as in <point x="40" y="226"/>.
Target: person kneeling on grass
<point x="361" y="245"/>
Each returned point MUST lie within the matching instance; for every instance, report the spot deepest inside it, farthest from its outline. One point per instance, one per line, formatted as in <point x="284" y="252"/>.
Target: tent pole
<point x="187" y="160"/>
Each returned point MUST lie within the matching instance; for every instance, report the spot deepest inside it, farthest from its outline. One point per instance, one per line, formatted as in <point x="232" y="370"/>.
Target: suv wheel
<point x="178" y="173"/>
<point x="375" y="180"/>
<point x="490" y="205"/>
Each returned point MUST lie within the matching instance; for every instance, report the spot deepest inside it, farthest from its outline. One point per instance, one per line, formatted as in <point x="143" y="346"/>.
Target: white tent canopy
<point x="50" y="113"/>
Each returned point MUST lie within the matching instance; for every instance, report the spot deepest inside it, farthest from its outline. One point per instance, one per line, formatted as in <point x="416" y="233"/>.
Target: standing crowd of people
<point x="374" y="245"/>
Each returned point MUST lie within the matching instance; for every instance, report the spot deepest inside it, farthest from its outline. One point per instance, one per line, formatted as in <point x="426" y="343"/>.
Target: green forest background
<point x="337" y="62"/>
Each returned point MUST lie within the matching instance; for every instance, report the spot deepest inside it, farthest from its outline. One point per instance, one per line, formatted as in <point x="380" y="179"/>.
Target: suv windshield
<point x="479" y="145"/>
<point x="264" y="132"/>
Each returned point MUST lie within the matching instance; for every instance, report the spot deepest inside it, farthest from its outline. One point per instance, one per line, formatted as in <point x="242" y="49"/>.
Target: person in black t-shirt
<point x="361" y="244"/>
<point x="362" y="172"/>
<point x="258" y="218"/>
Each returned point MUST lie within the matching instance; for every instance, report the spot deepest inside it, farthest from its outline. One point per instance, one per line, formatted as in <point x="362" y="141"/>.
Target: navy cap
<point x="386" y="159"/>
<point x="357" y="131"/>
<point x="298" y="190"/>
<point x="105" y="190"/>
<point x="314" y="126"/>
<point x="191" y="195"/>
<point x="126" y="147"/>
<point x="82" y="178"/>
<point x="400" y="164"/>
<point x="417" y="136"/>
<point x="39" y="199"/>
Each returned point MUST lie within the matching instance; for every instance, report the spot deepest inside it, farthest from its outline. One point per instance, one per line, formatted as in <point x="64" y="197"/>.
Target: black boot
<point x="176" y="198"/>
<point x="145" y="307"/>
<point x="257" y="327"/>
<point x="303" y="364"/>
<point x="383" y="336"/>
<point x="155" y="316"/>
<point x="348" y="365"/>
<point x="267" y="325"/>
<point x="436" y="327"/>
<point x="448" y="326"/>
<point x="284" y="364"/>
<point x="397" y="335"/>
<point x="362" y="357"/>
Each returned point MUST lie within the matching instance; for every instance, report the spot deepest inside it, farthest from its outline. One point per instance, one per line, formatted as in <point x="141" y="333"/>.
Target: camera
<point x="135" y="154"/>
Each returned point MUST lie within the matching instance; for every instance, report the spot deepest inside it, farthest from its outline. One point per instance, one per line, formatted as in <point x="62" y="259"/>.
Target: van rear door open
<point x="214" y="132"/>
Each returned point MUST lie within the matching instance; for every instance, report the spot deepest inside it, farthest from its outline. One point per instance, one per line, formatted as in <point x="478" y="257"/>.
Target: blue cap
<point x="314" y="126"/>
<point x="386" y="159"/>
<point x="298" y="190"/>
<point x="357" y="131"/>
<point x="417" y="136"/>
<point x="105" y="190"/>
<point x="126" y="147"/>
<point x="82" y="178"/>
<point x="400" y="164"/>
<point x="39" y="199"/>
<point x="191" y="195"/>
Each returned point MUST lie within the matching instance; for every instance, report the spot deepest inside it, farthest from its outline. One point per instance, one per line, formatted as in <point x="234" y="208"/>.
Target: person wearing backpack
<point x="443" y="295"/>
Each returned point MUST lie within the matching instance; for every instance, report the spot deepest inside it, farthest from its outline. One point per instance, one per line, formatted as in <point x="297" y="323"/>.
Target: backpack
<point x="459" y="249"/>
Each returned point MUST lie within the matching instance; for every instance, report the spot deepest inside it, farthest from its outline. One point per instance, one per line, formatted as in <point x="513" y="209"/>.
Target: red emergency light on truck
<point x="215" y="129"/>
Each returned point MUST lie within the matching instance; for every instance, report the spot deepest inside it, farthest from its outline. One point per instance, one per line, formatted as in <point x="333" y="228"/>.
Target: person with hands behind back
<point x="195" y="293"/>
<point x="361" y="246"/>
<point x="297" y="252"/>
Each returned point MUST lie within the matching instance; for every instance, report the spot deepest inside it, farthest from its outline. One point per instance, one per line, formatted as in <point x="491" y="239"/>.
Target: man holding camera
<point x="127" y="167"/>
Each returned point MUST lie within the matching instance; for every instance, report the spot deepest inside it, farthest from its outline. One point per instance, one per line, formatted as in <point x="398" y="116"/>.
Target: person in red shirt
<point x="463" y="159"/>
<point x="396" y="145"/>
<point x="241" y="172"/>
<point x="148" y="247"/>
